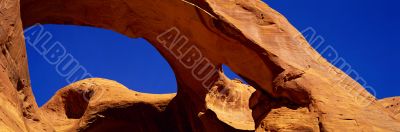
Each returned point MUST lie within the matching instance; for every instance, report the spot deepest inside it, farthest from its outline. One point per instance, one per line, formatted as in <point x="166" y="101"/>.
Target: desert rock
<point x="291" y="87"/>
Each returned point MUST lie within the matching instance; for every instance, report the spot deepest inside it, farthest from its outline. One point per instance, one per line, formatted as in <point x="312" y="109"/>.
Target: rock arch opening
<point x="91" y="52"/>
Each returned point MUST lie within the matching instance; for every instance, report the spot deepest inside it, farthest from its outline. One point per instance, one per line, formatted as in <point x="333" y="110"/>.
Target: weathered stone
<point x="296" y="89"/>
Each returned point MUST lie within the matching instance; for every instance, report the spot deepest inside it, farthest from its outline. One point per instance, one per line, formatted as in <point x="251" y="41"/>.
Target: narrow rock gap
<point x="232" y="75"/>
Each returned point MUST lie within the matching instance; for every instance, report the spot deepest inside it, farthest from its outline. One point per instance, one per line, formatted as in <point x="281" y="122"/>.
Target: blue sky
<point x="364" y="33"/>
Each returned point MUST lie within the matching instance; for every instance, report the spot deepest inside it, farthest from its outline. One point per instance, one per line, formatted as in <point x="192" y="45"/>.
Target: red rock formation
<point x="296" y="90"/>
<point x="392" y="104"/>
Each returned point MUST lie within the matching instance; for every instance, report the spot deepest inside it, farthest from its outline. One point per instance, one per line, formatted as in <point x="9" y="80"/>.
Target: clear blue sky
<point x="363" y="32"/>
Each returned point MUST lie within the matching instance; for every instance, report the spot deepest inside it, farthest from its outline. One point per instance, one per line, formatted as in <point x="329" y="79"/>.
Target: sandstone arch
<point x="255" y="41"/>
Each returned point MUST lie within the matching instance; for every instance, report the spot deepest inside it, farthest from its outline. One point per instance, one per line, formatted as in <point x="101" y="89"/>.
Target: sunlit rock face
<point x="291" y="88"/>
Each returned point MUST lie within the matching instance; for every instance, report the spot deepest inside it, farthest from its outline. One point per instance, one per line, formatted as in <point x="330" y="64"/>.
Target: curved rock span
<point x="291" y="88"/>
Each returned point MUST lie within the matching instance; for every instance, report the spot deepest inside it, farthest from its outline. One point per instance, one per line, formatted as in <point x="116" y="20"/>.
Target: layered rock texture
<point x="291" y="87"/>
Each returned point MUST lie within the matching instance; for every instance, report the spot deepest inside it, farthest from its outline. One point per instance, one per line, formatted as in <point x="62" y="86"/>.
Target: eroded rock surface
<point x="392" y="104"/>
<point x="292" y="87"/>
